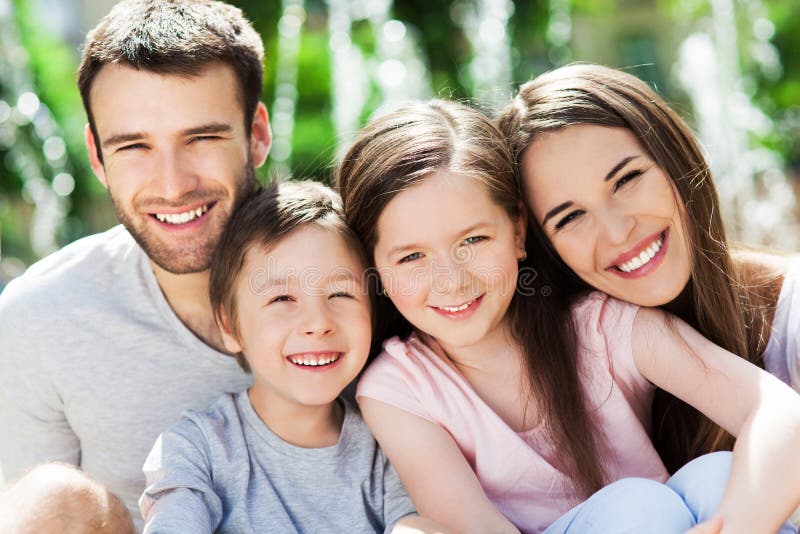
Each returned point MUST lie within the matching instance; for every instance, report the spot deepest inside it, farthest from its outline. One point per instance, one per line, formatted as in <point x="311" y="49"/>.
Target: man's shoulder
<point x="89" y="260"/>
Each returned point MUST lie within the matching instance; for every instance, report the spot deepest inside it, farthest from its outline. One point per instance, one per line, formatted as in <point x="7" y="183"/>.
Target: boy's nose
<point x="318" y="321"/>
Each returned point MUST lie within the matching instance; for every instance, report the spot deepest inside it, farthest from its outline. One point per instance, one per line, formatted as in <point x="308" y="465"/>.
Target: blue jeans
<point x="635" y="505"/>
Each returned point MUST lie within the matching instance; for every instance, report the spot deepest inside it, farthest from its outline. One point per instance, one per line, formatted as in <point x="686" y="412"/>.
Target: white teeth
<point x="453" y="309"/>
<point x="182" y="218"/>
<point x="313" y="361"/>
<point x="643" y="258"/>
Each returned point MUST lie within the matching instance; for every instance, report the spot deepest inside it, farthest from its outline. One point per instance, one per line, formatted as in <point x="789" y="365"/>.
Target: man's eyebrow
<point x="213" y="127"/>
<point x="210" y="128"/>
<point x="118" y="139"/>
<point x="618" y="166"/>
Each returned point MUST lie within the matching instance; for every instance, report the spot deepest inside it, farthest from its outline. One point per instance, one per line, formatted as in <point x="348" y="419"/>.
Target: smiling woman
<point x="637" y="216"/>
<point x="610" y="211"/>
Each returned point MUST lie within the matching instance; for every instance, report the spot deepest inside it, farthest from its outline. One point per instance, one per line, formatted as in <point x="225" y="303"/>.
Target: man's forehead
<point x="141" y="100"/>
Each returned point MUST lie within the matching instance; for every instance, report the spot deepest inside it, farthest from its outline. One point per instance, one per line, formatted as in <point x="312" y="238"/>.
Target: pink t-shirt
<point x="519" y="470"/>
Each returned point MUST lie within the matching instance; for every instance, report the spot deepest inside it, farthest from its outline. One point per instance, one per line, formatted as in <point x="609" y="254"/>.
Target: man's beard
<point x="184" y="256"/>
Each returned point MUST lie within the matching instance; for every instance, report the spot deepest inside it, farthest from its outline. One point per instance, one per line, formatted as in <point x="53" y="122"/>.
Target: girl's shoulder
<point x="601" y="320"/>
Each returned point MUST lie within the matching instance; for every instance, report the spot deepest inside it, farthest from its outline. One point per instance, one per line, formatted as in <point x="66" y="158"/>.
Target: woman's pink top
<point x="519" y="471"/>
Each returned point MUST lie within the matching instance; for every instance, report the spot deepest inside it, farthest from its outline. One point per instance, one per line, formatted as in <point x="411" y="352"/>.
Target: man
<point x="107" y="341"/>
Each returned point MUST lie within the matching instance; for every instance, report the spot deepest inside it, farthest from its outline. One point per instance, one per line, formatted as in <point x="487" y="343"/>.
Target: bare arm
<point x="438" y="478"/>
<point x="417" y="524"/>
<point x="763" y="412"/>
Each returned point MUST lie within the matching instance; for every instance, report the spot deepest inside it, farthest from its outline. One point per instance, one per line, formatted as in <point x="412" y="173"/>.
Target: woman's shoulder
<point x="763" y="272"/>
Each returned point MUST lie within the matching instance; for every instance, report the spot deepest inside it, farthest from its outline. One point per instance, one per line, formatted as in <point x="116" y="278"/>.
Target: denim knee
<point x="701" y="483"/>
<point x="626" y="506"/>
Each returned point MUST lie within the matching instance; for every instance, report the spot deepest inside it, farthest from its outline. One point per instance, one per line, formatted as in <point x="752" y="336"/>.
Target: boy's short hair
<point x="175" y="37"/>
<point x="265" y="218"/>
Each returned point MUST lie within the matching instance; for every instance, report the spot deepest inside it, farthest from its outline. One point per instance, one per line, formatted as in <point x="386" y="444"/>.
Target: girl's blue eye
<point x="568" y="219"/>
<point x="474" y="239"/>
<point x="410" y="257"/>
<point x="627" y="178"/>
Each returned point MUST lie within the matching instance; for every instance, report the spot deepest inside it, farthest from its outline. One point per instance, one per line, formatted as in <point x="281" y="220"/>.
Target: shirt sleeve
<point x="179" y="496"/>
<point x="396" y="502"/>
<point x="35" y="429"/>
<point x="401" y="378"/>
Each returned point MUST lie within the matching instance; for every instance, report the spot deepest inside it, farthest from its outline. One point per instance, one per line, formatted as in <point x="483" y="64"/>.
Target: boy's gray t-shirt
<point x="94" y="364"/>
<point x="223" y="470"/>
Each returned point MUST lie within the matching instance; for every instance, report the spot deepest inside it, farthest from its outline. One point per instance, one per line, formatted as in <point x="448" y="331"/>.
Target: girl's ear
<point x="520" y="227"/>
<point x="228" y="337"/>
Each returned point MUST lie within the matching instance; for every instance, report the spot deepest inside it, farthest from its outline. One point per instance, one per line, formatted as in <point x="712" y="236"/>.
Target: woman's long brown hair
<point x="399" y="150"/>
<point x="720" y="305"/>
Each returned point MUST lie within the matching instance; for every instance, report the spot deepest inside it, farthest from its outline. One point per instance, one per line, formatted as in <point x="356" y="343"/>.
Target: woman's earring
<point x="524" y="256"/>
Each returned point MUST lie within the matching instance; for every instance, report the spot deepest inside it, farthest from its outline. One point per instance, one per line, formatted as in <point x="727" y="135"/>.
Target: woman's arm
<point x="763" y="412"/>
<point x="438" y="478"/>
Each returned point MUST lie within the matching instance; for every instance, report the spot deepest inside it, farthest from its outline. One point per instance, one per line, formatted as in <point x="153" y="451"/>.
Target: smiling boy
<point x="289" y="454"/>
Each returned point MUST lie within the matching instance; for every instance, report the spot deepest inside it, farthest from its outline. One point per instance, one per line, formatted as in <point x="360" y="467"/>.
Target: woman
<point x="624" y="199"/>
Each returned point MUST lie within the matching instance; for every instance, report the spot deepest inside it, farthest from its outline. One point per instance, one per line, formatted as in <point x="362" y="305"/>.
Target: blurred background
<point x="730" y="67"/>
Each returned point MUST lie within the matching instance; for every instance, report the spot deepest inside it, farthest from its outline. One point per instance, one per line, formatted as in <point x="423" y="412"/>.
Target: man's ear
<point x="94" y="155"/>
<point x="260" y="136"/>
<point x="228" y="337"/>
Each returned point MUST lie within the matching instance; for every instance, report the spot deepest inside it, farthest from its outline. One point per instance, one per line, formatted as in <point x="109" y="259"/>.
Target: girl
<point x="505" y="408"/>
<point x="611" y="172"/>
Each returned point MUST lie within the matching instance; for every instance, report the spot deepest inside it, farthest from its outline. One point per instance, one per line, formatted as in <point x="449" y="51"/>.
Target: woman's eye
<point x="410" y="257"/>
<point x="474" y="239"/>
<point x="572" y="216"/>
<point x="627" y="178"/>
<point x="281" y="298"/>
<point x="344" y="294"/>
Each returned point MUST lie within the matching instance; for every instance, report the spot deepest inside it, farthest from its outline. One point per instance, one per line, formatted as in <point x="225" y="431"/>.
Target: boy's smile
<point x="304" y="322"/>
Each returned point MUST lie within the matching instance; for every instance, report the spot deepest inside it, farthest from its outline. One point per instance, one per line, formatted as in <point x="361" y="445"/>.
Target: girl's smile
<point x="461" y="311"/>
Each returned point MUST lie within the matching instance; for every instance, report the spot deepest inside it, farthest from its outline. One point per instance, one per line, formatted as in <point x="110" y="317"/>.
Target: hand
<point x="712" y="526"/>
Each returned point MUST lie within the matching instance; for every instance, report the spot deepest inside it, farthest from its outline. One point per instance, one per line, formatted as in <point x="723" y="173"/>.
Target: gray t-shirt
<point x="782" y="355"/>
<point x="94" y="364"/>
<point x="223" y="470"/>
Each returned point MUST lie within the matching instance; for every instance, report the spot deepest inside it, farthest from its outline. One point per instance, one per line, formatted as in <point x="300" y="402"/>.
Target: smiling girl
<point x="619" y="186"/>
<point x="512" y="400"/>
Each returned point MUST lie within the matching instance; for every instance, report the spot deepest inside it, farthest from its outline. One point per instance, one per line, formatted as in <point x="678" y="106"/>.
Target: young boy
<point x="289" y="454"/>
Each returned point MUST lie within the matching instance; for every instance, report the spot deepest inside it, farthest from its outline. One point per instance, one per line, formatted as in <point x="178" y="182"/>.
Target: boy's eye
<point x="410" y="257"/>
<point x="281" y="298"/>
<point x="474" y="239"/>
<point x="572" y="216"/>
<point x="627" y="178"/>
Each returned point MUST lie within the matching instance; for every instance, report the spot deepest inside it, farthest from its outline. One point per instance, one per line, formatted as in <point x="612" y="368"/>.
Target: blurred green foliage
<point x="447" y="51"/>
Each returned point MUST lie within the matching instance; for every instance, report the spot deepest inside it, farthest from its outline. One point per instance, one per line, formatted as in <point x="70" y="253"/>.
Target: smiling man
<point x="106" y="342"/>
